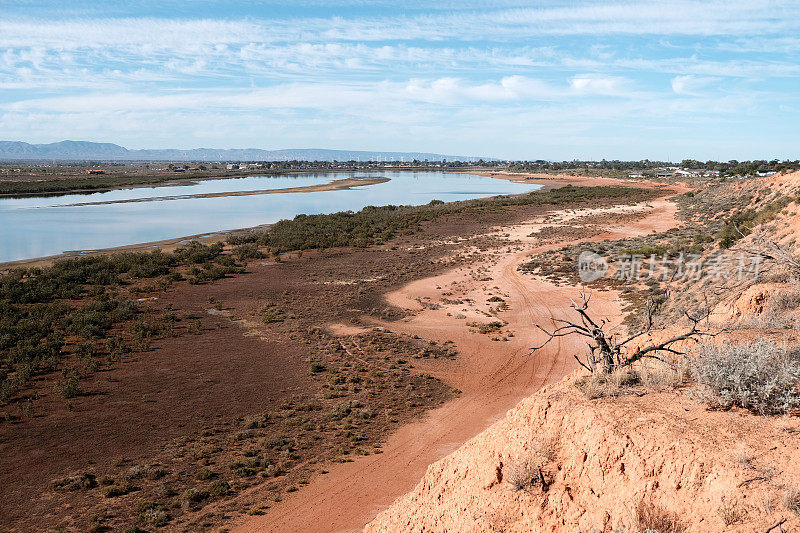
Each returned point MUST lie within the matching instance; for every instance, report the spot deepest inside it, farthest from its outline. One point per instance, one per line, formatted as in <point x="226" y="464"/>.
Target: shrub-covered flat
<point x="161" y="384"/>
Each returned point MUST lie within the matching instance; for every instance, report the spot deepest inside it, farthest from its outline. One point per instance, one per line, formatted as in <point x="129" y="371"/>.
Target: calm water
<point x="37" y="227"/>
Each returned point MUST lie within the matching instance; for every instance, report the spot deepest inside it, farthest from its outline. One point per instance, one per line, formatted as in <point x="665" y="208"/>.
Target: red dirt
<point x="208" y="380"/>
<point x="710" y="471"/>
<point x="493" y="375"/>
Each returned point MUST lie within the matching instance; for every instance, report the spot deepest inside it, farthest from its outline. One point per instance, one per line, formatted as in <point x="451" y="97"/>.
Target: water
<point x="38" y="227"/>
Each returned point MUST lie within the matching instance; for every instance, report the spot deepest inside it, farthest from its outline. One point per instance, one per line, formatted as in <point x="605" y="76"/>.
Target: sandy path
<point x="493" y="375"/>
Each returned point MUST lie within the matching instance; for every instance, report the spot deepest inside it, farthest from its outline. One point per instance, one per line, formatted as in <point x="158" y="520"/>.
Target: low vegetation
<point x="652" y="517"/>
<point x="637" y="379"/>
<point x="61" y="317"/>
<point x="529" y="468"/>
<point x="741" y="223"/>
<point x="617" y="168"/>
<point x="762" y="377"/>
<point x="364" y="387"/>
<point x="522" y="472"/>
<point x="376" y="225"/>
<point x="89" y="184"/>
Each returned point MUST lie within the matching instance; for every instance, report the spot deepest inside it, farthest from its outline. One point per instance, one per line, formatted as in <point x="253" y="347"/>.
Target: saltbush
<point x="762" y="377"/>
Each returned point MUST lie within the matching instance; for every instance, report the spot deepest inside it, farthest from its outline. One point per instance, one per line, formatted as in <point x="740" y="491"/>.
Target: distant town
<point x="643" y="169"/>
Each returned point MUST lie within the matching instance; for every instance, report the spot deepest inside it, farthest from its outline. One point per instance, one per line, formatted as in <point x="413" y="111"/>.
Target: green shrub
<point x="219" y="489"/>
<point x="376" y="225"/>
<point x="272" y="314"/>
<point x="194" y="496"/>
<point x="75" y="482"/>
<point x="70" y="387"/>
<point x="741" y="224"/>
<point x="204" y="474"/>
<point x="112" y="491"/>
<point x="248" y="251"/>
<point x="645" y="251"/>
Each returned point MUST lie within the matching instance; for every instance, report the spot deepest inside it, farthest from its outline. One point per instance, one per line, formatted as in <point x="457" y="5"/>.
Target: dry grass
<point x="778" y="312"/>
<point x="743" y="455"/>
<point x="641" y="377"/>
<point x="732" y="512"/>
<point x="653" y="518"/>
<point x="791" y="500"/>
<point x="783" y="301"/>
<point x="545" y="447"/>
<point x="597" y="385"/>
<point x="521" y="472"/>
<point x="526" y="469"/>
<point x="657" y="375"/>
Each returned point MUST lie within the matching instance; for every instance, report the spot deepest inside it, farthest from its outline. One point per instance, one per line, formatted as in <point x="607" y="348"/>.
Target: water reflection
<point x="36" y="227"/>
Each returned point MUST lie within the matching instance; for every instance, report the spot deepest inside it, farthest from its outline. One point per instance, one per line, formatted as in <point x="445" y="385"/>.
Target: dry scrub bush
<point x="653" y="518"/>
<point x="521" y="472"/>
<point x="526" y="470"/>
<point x="597" y="385"/>
<point x="761" y="377"/>
<point x="743" y="454"/>
<point x="783" y="301"/>
<point x="765" y="320"/>
<point x="74" y="482"/>
<point x="777" y="313"/>
<point x="791" y="500"/>
<point x="732" y="513"/>
<point x="653" y="375"/>
<point x="657" y="375"/>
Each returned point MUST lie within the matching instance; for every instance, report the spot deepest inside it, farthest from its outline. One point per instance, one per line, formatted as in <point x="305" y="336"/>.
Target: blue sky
<point x="507" y="79"/>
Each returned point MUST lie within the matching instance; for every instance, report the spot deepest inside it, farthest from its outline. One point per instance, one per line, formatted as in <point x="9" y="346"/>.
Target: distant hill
<point x="91" y="151"/>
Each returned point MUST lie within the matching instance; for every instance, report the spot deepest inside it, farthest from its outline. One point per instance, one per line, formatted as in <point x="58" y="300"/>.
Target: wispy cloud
<point x="715" y="18"/>
<point x="270" y="73"/>
<point x="689" y="84"/>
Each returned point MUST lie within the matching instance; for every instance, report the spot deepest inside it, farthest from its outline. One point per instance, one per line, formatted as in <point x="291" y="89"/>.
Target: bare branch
<point x="606" y="353"/>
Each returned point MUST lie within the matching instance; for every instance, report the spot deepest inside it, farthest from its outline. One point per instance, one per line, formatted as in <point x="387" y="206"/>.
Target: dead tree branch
<point x="606" y="353"/>
<point x="762" y="246"/>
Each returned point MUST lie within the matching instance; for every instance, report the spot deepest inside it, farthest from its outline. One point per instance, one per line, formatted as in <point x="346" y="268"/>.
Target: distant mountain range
<point x="91" y="151"/>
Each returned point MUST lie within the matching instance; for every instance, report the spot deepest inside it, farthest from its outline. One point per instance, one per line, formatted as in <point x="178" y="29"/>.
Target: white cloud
<point x="333" y="95"/>
<point x="457" y="91"/>
<point x="689" y="84"/>
<point x="601" y="85"/>
<point x="564" y="69"/>
<point x="674" y="17"/>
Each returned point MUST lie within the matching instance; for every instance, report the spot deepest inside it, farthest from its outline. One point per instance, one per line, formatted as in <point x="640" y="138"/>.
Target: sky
<point x="555" y="80"/>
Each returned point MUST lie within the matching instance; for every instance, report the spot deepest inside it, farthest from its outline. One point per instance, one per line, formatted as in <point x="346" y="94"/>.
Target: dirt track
<point x="493" y="375"/>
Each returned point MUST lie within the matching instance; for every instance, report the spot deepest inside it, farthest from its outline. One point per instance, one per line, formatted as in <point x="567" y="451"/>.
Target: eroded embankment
<point x="608" y="464"/>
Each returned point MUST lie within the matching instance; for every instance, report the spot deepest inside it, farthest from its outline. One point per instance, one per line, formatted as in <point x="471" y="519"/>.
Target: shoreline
<point x="172" y="243"/>
<point x="548" y="182"/>
<point x="554" y="181"/>
<point x="194" y="179"/>
<point x="335" y="185"/>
